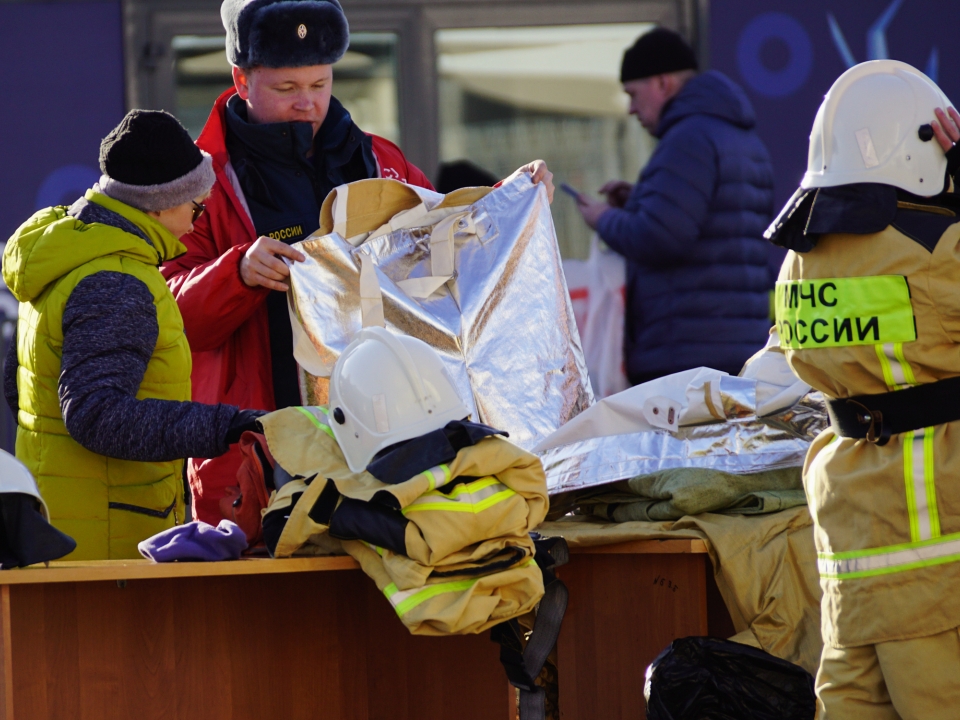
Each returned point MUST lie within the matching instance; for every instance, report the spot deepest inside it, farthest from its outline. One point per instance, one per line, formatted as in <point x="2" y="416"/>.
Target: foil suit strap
<point x="442" y="268"/>
<point x="877" y="417"/>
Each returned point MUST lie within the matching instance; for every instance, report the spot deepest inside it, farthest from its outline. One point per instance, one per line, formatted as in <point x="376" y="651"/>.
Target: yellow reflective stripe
<point x="473" y="487"/>
<point x="843" y="312"/>
<point x="891" y="559"/>
<point x="436" y="474"/>
<point x="474" y="497"/>
<point x="897" y="373"/>
<point x="920" y="485"/>
<point x="885" y="367"/>
<point x="904" y="365"/>
<point x="375" y="548"/>
<point x="313" y="419"/>
<point x="474" y="508"/>
<point x="910" y="484"/>
<point x="404" y="601"/>
<point x="929" y="482"/>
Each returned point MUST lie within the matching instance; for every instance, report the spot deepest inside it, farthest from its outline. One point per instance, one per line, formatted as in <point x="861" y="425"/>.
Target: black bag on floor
<point x="701" y="678"/>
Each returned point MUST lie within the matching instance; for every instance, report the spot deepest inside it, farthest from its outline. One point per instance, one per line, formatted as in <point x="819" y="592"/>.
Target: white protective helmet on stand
<point x="16" y="478"/>
<point x="385" y="389"/>
<point x="874" y="127"/>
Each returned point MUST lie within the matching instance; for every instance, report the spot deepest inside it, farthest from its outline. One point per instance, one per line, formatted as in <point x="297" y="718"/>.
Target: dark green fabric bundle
<point x="672" y="494"/>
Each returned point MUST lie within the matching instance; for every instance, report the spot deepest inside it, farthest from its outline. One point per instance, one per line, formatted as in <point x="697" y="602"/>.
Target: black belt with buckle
<point x="877" y="417"/>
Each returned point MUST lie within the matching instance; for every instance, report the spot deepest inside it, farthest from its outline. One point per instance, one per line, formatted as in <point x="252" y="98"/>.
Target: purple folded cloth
<point x="195" y="541"/>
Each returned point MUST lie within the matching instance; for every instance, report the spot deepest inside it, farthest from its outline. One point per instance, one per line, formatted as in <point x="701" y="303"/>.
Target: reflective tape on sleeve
<point x="316" y="421"/>
<point x="472" y="497"/>
<point x="405" y="600"/>
<point x="892" y="559"/>
<point x="842" y="312"/>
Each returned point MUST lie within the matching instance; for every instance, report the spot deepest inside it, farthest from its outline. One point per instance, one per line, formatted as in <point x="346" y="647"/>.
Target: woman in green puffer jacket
<point x="99" y="376"/>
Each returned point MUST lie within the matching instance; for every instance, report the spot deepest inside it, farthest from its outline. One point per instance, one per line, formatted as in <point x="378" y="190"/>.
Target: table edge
<point x="105" y="570"/>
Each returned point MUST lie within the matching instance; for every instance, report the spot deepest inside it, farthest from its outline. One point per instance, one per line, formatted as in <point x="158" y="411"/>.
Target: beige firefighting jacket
<point x="469" y="562"/>
<point x="867" y="314"/>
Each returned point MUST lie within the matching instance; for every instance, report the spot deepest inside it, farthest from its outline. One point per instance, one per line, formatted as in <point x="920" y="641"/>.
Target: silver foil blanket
<point x="503" y="322"/>
<point x="743" y="444"/>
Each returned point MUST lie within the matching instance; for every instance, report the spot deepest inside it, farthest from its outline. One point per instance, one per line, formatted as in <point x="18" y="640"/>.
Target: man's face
<point x="299" y="94"/>
<point x="647" y="98"/>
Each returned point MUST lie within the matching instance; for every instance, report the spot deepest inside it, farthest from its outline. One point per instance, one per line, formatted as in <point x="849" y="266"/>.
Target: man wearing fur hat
<point x="280" y="143"/>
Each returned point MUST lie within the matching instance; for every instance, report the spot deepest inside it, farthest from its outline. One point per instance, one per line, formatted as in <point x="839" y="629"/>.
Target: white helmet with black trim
<point x="874" y="127"/>
<point x="16" y="478"/>
<point x="385" y="389"/>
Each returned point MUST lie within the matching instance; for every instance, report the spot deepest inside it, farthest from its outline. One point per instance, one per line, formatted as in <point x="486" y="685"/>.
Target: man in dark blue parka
<point x="691" y="229"/>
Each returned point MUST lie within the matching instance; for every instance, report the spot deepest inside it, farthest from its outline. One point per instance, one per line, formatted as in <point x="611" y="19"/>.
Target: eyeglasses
<point x="198" y="209"/>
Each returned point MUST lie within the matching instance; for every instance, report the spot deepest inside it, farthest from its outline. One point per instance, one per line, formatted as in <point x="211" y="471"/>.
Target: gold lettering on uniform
<point x="286" y="233"/>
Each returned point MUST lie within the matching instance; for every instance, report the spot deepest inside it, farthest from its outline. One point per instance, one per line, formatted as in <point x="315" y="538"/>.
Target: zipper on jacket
<point x="161" y="514"/>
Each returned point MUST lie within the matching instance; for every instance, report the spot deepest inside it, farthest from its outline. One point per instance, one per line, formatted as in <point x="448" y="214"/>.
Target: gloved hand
<point x="244" y="420"/>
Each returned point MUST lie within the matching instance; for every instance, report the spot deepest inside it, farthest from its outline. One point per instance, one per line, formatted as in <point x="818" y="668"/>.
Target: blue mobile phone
<point x="575" y="194"/>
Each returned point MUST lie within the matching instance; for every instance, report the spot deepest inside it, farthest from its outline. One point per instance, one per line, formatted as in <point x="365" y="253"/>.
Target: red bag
<point x="243" y="502"/>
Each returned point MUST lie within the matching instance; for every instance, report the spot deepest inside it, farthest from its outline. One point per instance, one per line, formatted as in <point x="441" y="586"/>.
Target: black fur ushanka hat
<point x="284" y="33"/>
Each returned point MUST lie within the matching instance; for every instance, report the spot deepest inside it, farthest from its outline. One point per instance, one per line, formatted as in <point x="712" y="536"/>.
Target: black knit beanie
<point x="148" y="161"/>
<point x="655" y="53"/>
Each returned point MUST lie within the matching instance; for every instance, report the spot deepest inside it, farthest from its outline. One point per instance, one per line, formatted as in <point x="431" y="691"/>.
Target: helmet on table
<point x="874" y="127"/>
<point x="16" y="478"/>
<point x="385" y="389"/>
<point x="26" y="535"/>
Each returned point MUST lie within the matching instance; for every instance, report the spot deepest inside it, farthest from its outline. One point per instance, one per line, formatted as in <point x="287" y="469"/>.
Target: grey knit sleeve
<point x="110" y="331"/>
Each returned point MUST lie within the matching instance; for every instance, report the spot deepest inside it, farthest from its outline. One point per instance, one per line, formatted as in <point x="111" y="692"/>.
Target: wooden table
<point x="312" y="638"/>
<point x="627" y="603"/>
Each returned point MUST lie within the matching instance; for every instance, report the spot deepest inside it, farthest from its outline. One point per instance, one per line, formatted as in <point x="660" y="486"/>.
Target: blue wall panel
<point x="61" y="91"/>
<point x="787" y="53"/>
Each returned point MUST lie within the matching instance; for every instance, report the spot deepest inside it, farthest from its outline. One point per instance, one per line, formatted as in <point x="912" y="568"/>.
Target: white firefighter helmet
<point x="874" y="127"/>
<point x="385" y="389"/>
<point x="15" y="478"/>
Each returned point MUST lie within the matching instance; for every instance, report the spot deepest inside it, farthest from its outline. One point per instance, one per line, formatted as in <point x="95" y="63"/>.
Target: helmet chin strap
<point x="427" y="401"/>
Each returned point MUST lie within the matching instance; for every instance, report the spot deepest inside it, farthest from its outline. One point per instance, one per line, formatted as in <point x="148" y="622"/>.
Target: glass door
<point x="510" y="95"/>
<point x="365" y="80"/>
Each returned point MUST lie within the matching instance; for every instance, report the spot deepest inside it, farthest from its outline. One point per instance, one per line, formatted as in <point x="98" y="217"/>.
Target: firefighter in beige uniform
<point x="868" y="312"/>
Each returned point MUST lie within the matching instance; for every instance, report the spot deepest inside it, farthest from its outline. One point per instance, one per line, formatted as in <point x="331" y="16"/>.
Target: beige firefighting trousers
<point x="899" y="680"/>
<point x="869" y="314"/>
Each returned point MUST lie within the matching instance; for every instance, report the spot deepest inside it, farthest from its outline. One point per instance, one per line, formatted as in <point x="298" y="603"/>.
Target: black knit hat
<point x="655" y="53"/>
<point x="284" y="33"/>
<point x="148" y="161"/>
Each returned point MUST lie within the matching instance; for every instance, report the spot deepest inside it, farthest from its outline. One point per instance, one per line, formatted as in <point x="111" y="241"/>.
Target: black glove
<point x="953" y="163"/>
<point x="244" y="420"/>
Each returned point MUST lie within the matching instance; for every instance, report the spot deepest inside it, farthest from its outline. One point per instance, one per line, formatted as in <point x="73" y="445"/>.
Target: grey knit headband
<point x="154" y="198"/>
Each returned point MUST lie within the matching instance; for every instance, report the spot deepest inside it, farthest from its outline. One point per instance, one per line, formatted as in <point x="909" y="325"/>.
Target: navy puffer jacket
<point x="692" y="234"/>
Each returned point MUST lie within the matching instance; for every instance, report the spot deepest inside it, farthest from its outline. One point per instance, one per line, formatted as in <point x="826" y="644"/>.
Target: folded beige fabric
<point x="764" y="565"/>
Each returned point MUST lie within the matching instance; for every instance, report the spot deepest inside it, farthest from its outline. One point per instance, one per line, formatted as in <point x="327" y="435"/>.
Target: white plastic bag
<point x="598" y="292"/>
